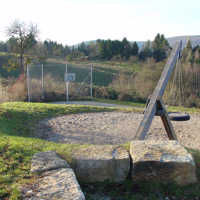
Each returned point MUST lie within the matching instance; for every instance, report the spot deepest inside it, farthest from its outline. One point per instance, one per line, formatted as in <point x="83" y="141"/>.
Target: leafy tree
<point x="22" y="37"/>
<point x="92" y="50"/>
<point x="104" y="49"/>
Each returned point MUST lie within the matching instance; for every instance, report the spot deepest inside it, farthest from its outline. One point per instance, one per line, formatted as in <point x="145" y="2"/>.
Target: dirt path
<point x="113" y="128"/>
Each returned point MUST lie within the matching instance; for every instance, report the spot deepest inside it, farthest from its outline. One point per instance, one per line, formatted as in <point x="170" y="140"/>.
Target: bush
<point x="105" y="92"/>
<point x="192" y="101"/>
<point x="125" y="97"/>
<point x="12" y="89"/>
<point x="113" y="94"/>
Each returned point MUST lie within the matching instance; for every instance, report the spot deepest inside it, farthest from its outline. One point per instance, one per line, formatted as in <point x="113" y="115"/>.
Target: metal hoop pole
<point x="28" y="84"/>
<point x="42" y="81"/>
<point x="67" y="88"/>
<point x="91" y="80"/>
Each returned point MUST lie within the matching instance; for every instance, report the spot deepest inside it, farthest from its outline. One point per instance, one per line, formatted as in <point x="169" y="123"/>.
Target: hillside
<point x="195" y="40"/>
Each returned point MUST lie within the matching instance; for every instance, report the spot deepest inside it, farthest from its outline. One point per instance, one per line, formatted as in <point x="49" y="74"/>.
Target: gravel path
<point x="113" y="128"/>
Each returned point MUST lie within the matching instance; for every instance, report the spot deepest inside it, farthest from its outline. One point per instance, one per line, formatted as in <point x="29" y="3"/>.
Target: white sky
<point x="73" y="21"/>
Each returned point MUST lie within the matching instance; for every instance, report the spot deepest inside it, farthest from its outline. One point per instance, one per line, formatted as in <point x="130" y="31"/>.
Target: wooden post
<point x="151" y="108"/>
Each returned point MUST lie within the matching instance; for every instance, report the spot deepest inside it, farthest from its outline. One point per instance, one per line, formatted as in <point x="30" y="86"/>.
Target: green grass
<point x="124" y="103"/>
<point x="140" y="191"/>
<point x="17" y="148"/>
<point x="16" y="145"/>
<point x="141" y="106"/>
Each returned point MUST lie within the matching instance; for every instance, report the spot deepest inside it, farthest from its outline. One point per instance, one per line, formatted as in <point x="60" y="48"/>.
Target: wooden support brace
<point x="155" y="104"/>
<point x="161" y="111"/>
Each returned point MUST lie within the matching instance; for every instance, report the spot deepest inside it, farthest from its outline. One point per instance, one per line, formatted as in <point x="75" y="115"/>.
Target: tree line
<point x="23" y="42"/>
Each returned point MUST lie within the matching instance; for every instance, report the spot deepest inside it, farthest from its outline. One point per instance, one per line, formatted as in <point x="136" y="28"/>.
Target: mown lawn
<point x="17" y="148"/>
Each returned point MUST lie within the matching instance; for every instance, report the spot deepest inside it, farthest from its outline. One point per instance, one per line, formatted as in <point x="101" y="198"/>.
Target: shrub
<point x="125" y="97"/>
<point x="12" y="89"/>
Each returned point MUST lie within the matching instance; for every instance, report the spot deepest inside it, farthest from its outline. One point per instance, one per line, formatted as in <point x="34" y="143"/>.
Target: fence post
<point x="91" y="80"/>
<point x="67" y="88"/>
<point x="28" y="84"/>
<point x="42" y="81"/>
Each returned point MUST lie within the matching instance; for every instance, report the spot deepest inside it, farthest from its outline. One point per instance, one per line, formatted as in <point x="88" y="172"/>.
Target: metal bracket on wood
<point x="155" y="105"/>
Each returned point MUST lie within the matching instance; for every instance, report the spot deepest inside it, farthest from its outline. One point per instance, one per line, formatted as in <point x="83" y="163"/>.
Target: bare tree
<point x="24" y="37"/>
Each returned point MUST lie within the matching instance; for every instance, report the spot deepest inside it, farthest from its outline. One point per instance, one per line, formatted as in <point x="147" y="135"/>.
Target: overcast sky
<point x="73" y="21"/>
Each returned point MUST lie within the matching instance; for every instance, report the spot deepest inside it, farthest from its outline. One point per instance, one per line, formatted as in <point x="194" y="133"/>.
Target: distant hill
<point x="139" y="43"/>
<point x="195" y="40"/>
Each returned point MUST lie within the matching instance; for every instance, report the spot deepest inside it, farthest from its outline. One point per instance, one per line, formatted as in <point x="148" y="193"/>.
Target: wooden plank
<point x="166" y="121"/>
<point x="158" y="93"/>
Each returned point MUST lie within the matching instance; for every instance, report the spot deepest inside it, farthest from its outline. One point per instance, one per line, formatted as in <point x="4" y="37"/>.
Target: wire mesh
<point x="46" y="82"/>
<point x="34" y="82"/>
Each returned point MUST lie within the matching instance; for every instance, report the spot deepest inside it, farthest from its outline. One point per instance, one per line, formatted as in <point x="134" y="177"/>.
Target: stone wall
<point x="161" y="161"/>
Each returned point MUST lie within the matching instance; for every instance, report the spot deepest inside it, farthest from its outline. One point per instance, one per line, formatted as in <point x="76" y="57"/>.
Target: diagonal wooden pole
<point x="166" y="121"/>
<point x="151" y="108"/>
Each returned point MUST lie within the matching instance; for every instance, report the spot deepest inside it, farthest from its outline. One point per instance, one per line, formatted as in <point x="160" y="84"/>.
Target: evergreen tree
<point x="3" y="47"/>
<point x="189" y="45"/>
<point x="126" y="52"/>
<point x="134" y="49"/>
<point x="146" y="51"/>
<point x="160" y="48"/>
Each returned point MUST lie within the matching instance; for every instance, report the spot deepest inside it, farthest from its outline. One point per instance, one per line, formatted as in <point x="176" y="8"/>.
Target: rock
<point x="101" y="162"/>
<point x="45" y="161"/>
<point x="163" y="161"/>
<point x="60" y="184"/>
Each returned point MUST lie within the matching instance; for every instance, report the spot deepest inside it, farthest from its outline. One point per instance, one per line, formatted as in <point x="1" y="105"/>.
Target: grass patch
<point x="142" y="105"/>
<point x="140" y="191"/>
<point x="17" y="148"/>
<point x="124" y="103"/>
<point x="16" y="145"/>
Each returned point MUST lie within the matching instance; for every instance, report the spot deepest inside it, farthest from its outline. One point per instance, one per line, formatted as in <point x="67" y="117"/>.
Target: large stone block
<point x="163" y="161"/>
<point x="101" y="162"/>
<point x="45" y="161"/>
<point x="60" y="184"/>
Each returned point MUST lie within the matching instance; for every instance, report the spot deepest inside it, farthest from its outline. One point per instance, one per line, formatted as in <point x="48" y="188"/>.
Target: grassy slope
<point x="103" y="71"/>
<point x="17" y="149"/>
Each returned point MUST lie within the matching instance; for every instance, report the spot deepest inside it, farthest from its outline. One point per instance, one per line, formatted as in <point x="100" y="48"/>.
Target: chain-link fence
<point x="47" y="82"/>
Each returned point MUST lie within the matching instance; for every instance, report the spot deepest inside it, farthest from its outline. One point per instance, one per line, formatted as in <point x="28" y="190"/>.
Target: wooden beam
<point x="158" y="93"/>
<point x="166" y="121"/>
